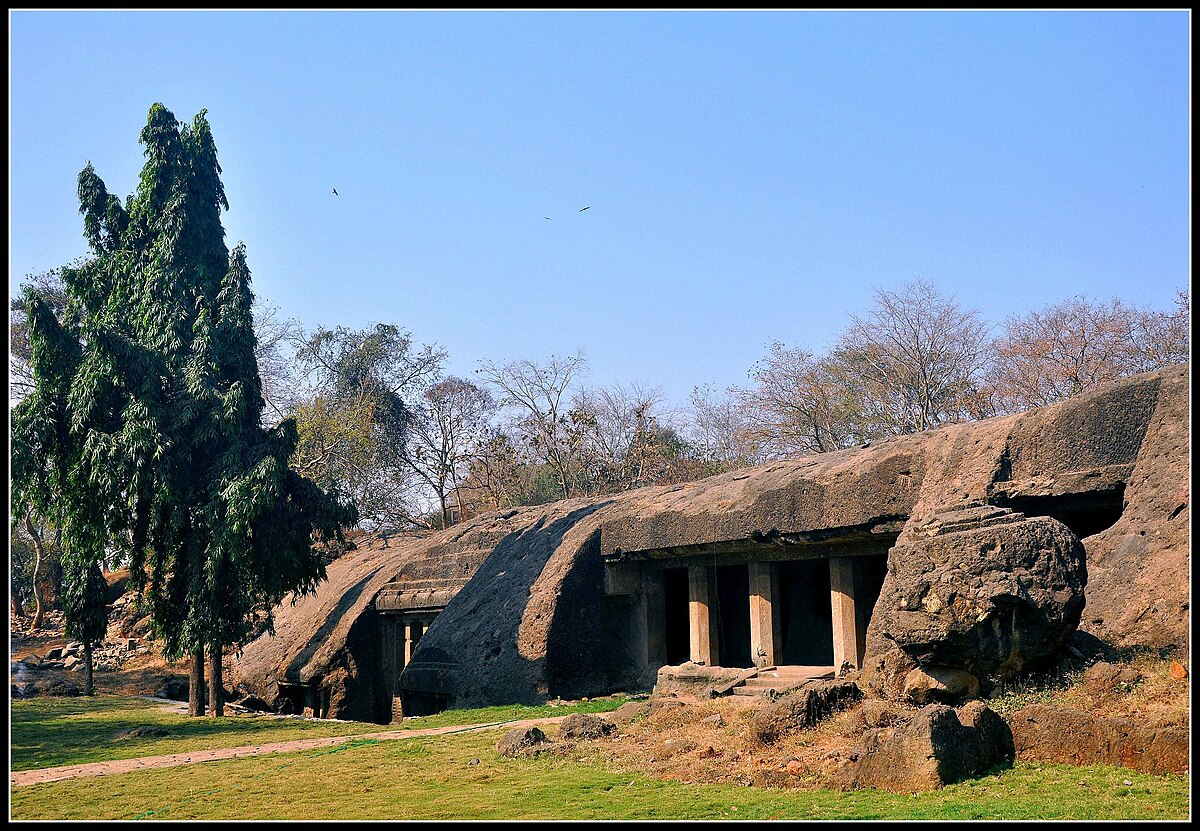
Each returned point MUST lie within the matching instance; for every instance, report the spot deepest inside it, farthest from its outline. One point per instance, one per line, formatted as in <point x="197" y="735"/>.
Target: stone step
<point x="760" y="692"/>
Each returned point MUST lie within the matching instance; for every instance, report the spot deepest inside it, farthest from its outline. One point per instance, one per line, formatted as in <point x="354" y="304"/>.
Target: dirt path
<point x="37" y="777"/>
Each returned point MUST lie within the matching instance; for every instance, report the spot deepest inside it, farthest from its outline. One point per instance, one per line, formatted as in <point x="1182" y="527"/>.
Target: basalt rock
<point x="1062" y="735"/>
<point x="803" y="709"/>
<point x="522" y="741"/>
<point x="584" y="726"/>
<point x="936" y="747"/>
<point x="984" y="591"/>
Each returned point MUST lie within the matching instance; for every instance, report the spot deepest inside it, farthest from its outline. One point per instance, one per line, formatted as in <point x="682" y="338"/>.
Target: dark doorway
<point x="806" y="613"/>
<point x="869" y="572"/>
<point x="675" y="602"/>
<point x="1084" y="513"/>
<point x="732" y="616"/>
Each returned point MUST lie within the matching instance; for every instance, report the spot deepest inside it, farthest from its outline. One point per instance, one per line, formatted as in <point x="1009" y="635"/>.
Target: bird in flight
<point x="545" y="217"/>
<point x="335" y="193"/>
<point x="581" y="210"/>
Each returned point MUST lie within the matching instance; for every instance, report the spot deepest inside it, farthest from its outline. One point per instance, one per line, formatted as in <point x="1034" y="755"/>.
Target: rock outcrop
<point x="584" y="726"/>
<point x="975" y="596"/>
<point x="803" y="709"/>
<point x="1072" y="737"/>
<point x="522" y="741"/>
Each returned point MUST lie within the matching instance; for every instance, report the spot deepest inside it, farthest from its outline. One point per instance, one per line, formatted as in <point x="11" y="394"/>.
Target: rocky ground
<point x="44" y="661"/>
<point x="1131" y="711"/>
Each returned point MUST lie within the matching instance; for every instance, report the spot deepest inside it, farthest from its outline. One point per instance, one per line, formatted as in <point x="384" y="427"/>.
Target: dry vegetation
<point x="686" y="744"/>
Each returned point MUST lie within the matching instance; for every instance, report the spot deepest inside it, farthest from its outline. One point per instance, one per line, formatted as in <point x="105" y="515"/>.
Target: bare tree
<point x="540" y="392"/>
<point x="722" y="430"/>
<point x="802" y="404"/>
<point x="449" y="426"/>
<point x="618" y="435"/>
<point x="918" y="358"/>
<point x="1162" y="338"/>
<point x="276" y="339"/>
<point x="1067" y="348"/>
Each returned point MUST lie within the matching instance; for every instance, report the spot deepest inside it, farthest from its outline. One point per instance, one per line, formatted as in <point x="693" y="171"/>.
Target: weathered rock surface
<point x="1046" y="733"/>
<point x="936" y="747"/>
<point x="803" y="709"/>
<point x="584" y="726"/>
<point x="522" y="741"/>
<point x="939" y="685"/>
<point x="1102" y="678"/>
<point x="1138" y="569"/>
<point x="691" y="681"/>
<point x="984" y="591"/>
<point x="630" y="711"/>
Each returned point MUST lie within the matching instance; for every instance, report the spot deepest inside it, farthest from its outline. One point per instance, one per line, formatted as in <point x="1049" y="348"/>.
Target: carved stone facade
<point x="1005" y="533"/>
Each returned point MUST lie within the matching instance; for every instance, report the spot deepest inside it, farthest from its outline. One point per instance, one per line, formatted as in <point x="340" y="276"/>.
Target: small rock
<point x="630" y="711"/>
<point x="522" y="741"/>
<point x="61" y="688"/>
<point x="54" y="654"/>
<point x="879" y="713"/>
<point x="656" y="704"/>
<point x="942" y="685"/>
<point x="715" y="719"/>
<point x="1127" y="783"/>
<point x="1178" y="671"/>
<point x="473" y="762"/>
<point x="71" y="663"/>
<point x="709" y="752"/>
<point x="145" y="732"/>
<point x="584" y="726"/>
<point x="794" y="767"/>
<point x="1104" y="677"/>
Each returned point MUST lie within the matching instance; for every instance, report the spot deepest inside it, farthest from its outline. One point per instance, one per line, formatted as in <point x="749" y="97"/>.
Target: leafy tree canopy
<point x="143" y="433"/>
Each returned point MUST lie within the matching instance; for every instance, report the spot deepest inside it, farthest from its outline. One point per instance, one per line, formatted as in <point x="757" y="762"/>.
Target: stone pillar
<point x="411" y="636"/>
<point x="765" y="640"/>
<point x="703" y="633"/>
<point x="845" y="636"/>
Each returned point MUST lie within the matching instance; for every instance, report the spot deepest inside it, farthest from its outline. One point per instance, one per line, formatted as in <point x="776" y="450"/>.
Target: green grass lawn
<point x="48" y="732"/>
<point x="437" y="778"/>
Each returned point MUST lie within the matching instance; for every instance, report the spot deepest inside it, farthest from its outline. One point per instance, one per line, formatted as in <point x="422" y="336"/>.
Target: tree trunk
<point x="89" y="687"/>
<point x="196" y="684"/>
<point x="37" y="566"/>
<point x="215" y="702"/>
<point x="17" y="611"/>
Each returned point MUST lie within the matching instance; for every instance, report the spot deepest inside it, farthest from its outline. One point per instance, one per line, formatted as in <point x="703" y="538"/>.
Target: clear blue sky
<point x="750" y="176"/>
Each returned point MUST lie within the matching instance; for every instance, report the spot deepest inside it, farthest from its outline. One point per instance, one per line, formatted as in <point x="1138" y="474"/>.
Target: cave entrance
<point x="1084" y="513"/>
<point x="675" y="615"/>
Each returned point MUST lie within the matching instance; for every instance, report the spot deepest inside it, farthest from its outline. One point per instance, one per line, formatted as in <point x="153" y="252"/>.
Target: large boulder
<point x="1045" y="733"/>
<point x="803" y="709"/>
<point x="982" y="591"/>
<point x="936" y="747"/>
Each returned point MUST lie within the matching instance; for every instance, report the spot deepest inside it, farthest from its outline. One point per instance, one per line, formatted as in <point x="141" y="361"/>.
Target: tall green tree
<point x="144" y="434"/>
